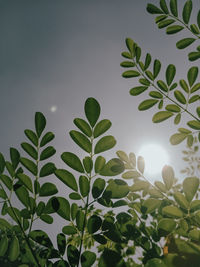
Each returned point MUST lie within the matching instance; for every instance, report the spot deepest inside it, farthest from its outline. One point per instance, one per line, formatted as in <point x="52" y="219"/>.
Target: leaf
<point x="26" y="181"/>
<point x="144" y="81"/>
<point x="6" y="180"/>
<point x="48" y="189"/>
<point x="181" y="200"/>
<point x="88" y="258"/>
<point x="3" y="194"/>
<point x="117" y="189"/>
<point x="193" y="99"/>
<point x="170" y="73"/>
<point x="83" y="126"/>
<point x="139" y="185"/>
<point x="180" y="97"/>
<point x="80" y="218"/>
<point x="192" y="75"/>
<point x="155" y="94"/>
<point x="31" y="136"/>
<point x="156" y="68"/>
<point x="99" y="163"/>
<point x="41" y="238"/>
<point x="194" y="124"/>
<point x="61" y="243"/>
<point x="184" y="85"/>
<point x="113" y="167"/>
<point x="194" y="29"/>
<point x="161" y="116"/>
<point x="29" y="165"/>
<point x="74" y="209"/>
<point x="72" y="161"/>
<point x="140" y="164"/>
<point x="147" y="61"/>
<point x="3" y="245"/>
<point x="14" y="249"/>
<point x="101" y="127"/>
<point x="67" y="178"/>
<point x="47" y="153"/>
<point x="47" y="138"/>
<point x="2" y="163"/>
<point x="94" y="224"/>
<point x="88" y="164"/>
<point x="190" y="187"/>
<point x="40" y="123"/>
<point x="126" y="55"/>
<point x="130" y="74"/>
<point x="164" y="6"/>
<point x="138" y="53"/>
<point x="150" y="205"/>
<point x="165" y="23"/>
<point x="127" y="64"/>
<point x="130" y="45"/>
<point x="15" y="157"/>
<point x="149" y="74"/>
<point x="46" y="218"/>
<point x="174" y="29"/>
<point x="98" y="187"/>
<point x="81" y="140"/>
<point x="177" y="138"/>
<point x="47" y="169"/>
<point x="131" y="175"/>
<point x="84" y="185"/>
<point x="172" y="108"/>
<point x="155" y="263"/>
<point x="187" y="9"/>
<point x="183" y="43"/>
<point x="110" y="258"/>
<point x="198" y="111"/>
<point x="138" y="90"/>
<point x="146" y="104"/>
<point x="172" y="211"/>
<point x="198" y="19"/>
<point x="30" y="150"/>
<point x="120" y="203"/>
<point x="152" y="9"/>
<point x="75" y="196"/>
<point x="105" y="143"/>
<point x="173" y="7"/>
<point x="72" y="255"/>
<point x="160" y="186"/>
<point x="92" y="110"/>
<point x="69" y="230"/>
<point x="177" y="119"/>
<point x="62" y="207"/>
<point x="194" y="56"/>
<point x="168" y="176"/>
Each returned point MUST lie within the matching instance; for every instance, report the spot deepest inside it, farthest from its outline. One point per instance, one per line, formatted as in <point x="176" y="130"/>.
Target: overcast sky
<point x="60" y="52"/>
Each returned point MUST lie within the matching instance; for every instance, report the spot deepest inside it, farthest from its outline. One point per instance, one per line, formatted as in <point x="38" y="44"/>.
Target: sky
<point x="60" y="52"/>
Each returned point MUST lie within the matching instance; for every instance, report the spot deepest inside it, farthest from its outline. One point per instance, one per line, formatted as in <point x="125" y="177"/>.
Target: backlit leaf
<point x="117" y="189"/>
<point x="101" y="127"/>
<point x="138" y="90"/>
<point x="127" y="64"/>
<point x="104" y="144"/>
<point x="165" y="23"/>
<point x="190" y="187"/>
<point x="172" y="211"/>
<point x="161" y="116"/>
<point x="166" y="226"/>
<point x="146" y="104"/>
<point x="173" y="108"/>
<point x="113" y="167"/>
<point x="168" y="176"/>
<point x="177" y="138"/>
<point x="150" y="205"/>
<point x="181" y="200"/>
<point x="92" y="110"/>
<point x="72" y="161"/>
<point x="88" y="164"/>
<point x="67" y="178"/>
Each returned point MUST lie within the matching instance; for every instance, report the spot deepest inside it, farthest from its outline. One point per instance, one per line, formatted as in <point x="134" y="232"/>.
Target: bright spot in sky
<point x="53" y="109"/>
<point x="155" y="157"/>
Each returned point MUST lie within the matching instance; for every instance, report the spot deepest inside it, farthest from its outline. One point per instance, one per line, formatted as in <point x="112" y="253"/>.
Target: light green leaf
<point x="47" y="169"/>
<point x="170" y="73"/>
<point x="83" y="126"/>
<point x="81" y="140"/>
<point x="138" y="90"/>
<point x="194" y="235"/>
<point x="88" y="258"/>
<point x="160" y="186"/>
<point x="138" y="186"/>
<point x="92" y="110"/>
<point x="177" y="138"/>
<point x="14" y="249"/>
<point x="130" y="74"/>
<point x="190" y="187"/>
<point x="130" y="45"/>
<point x="183" y="43"/>
<point x="187" y="9"/>
<point x="99" y="163"/>
<point x="155" y="94"/>
<point x="172" y="108"/>
<point x="168" y="176"/>
<point x="113" y="167"/>
<point x="117" y="189"/>
<point x="46" y="138"/>
<point x="146" y="104"/>
<point x="180" y="97"/>
<point x="161" y="116"/>
<point x="98" y="187"/>
<point x="172" y="211"/>
<point x="174" y="29"/>
<point x="127" y="64"/>
<point x="166" y="226"/>
<point x="101" y="127"/>
<point x="72" y="161"/>
<point x="181" y="200"/>
<point x="104" y="144"/>
<point x="40" y="123"/>
<point x="67" y="178"/>
<point x="192" y="75"/>
<point x="48" y="189"/>
<point x="165" y="23"/>
<point x="47" y="153"/>
<point x="177" y="119"/>
<point x="150" y="205"/>
<point x="84" y="185"/>
<point x="140" y="164"/>
<point x="88" y="164"/>
<point x="194" y="124"/>
<point x="31" y="136"/>
<point x="162" y="85"/>
<point x="131" y="175"/>
<point x="29" y="165"/>
<point x="184" y="85"/>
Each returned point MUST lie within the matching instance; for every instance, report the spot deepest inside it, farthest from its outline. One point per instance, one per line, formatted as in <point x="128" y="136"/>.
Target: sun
<point x="155" y="157"/>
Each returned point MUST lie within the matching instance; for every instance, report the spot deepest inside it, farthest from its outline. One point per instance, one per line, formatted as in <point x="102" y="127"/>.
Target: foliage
<point x="112" y="212"/>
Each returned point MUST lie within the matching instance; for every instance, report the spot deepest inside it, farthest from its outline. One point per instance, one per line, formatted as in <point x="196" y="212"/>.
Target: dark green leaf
<point x="170" y="73"/>
<point x="75" y="196"/>
<point x="187" y="9"/>
<point x="110" y="258"/>
<point x="69" y="230"/>
<point x="40" y="208"/>
<point x="194" y="56"/>
<point x="30" y="150"/>
<point x="173" y="7"/>
<point x="47" y="153"/>
<point x="99" y="163"/>
<point x="147" y="61"/>
<point x="194" y="124"/>
<point x="62" y="207"/>
<point x="184" y="85"/>
<point x="152" y="9"/>
<point x="14" y="214"/>
<point x="146" y="104"/>
<point x="113" y="167"/>
<point x="84" y="185"/>
<point x="193" y="99"/>
<point x="104" y="144"/>
<point x="15" y="157"/>
<point x="198" y="111"/>
<point x="83" y="126"/>
<point x="3" y="245"/>
<point x="46" y="218"/>
<point x="190" y="187"/>
<point x="130" y="74"/>
<point x="174" y="29"/>
<point x="31" y="136"/>
<point x="94" y="224"/>
<point x="180" y="97"/>
<point x="120" y="203"/>
<point x="100" y="239"/>
<point x="48" y="189"/>
<point x="194" y="29"/>
<point x="101" y="127"/>
<point x="26" y="181"/>
<point x="2" y="163"/>
<point x="161" y="116"/>
<point x="192" y="75"/>
<point x="41" y="238"/>
<point x="80" y="217"/>
<point x="149" y="74"/>
<point x="6" y="180"/>
<point x="47" y="169"/>
<point x="72" y="161"/>
<point x="164" y="7"/>
<point x="138" y="90"/>
<point x="92" y="110"/>
<point x="61" y="243"/>
<point x="98" y="187"/>
<point x="81" y="140"/>
<point x="3" y="194"/>
<point x="88" y="258"/>
<point x="127" y="64"/>
<point x="29" y="165"/>
<point x="40" y="123"/>
<point x="183" y="43"/>
<point x="155" y="263"/>
<point x="160" y="18"/>
<point x="46" y="138"/>
<point x="165" y="23"/>
<point x="67" y="178"/>
<point x="72" y="255"/>
<point x="162" y="85"/>
<point x="14" y="249"/>
<point x="138" y="53"/>
<point x="156" y="68"/>
<point x="144" y="81"/>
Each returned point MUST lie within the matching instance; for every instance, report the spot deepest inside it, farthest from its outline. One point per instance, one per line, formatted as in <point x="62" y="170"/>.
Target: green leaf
<point x="156" y="68"/>
<point x="30" y="150"/>
<point x="144" y="81"/>
<point x="73" y="255"/>
<point x="14" y="249"/>
<point x="187" y="9"/>
<point x="46" y="138"/>
<point x="164" y="7"/>
<point x="138" y="53"/>
<point x="165" y="23"/>
<point x="160" y="186"/>
<point x="72" y="161"/>
<point x="194" y="29"/>
<point x="130" y="74"/>
<point x="161" y="116"/>
<point x="69" y="230"/>
<point x="61" y="243"/>
<point x="127" y="64"/>
<point x="156" y="94"/>
<point x="3" y="245"/>
<point x="14" y="214"/>
<point x="147" y="61"/>
<point x="146" y="104"/>
<point x="172" y="211"/>
<point x="84" y="185"/>
<point x="31" y="136"/>
<point x="198" y="19"/>
<point x="15" y="157"/>
<point x="194" y="124"/>
<point x="74" y="209"/>
<point x="149" y="74"/>
<point x="26" y="181"/>
<point x="181" y="200"/>
<point x="162" y="85"/>
<point x="46" y="218"/>
<point x="177" y="138"/>
<point x="160" y="18"/>
<point x="110" y="258"/>
<point x="105" y="143"/>
<point x="113" y="167"/>
<point x="180" y="97"/>
<point x="41" y="238"/>
<point x="130" y="45"/>
<point x="168" y="176"/>
<point x="170" y="73"/>
<point x="120" y="203"/>
<point x="29" y="165"/>
<point x="75" y="196"/>
<point x="67" y="178"/>
<point x="173" y="7"/>
<point x="81" y="140"/>
<point x="172" y="108"/>
<point x="174" y="29"/>
<point x="194" y="235"/>
<point x="139" y="185"/>
<point x="40" y="123"/>
<point x="98" y="187"/>
<point x="6" y="180"/>
<point x="47" y="153"/>
<point x="190" y="187"/>
<point x="47" y="169"/>
<point x="126" y="55"/>
<point x="83" y="126"/>
<point x="198" y="111"/>
<point x="99" y="163"/>
<point x="183" y="43"/>
<point x="80" y="217"/>
<point x="192" y="75"/>
<point x="94" y="224"/>
<point x="138" y="90"/>
<point x="140" y="164"/>
<point x="101" y="127"/>
<point x="123" y="156"/>
<point x="167" y="226"/>
<point x="117" y="189"/>
<point x="194" y="56"/>
<point x="152" y="9"/>
<point x="88" y="164"/>
<point x="48" y="189"/>
<point x="150" y="205"/>
<point x="92" y="110"/>
<point x="62" y="207"/>
<point x="177" y="119"/>
<point x="193" y="99"/>
<point x="131" y="175"/>
<point x="3" y="194"/>
<point x="155" y="263"/>
<point x="2" y="163"/>
<point x="88" y="258"/>
<point x="184" y="85"/>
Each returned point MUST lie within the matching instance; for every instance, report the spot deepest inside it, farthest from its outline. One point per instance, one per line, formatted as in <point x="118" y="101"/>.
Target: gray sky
<point x="60" y="52"/>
